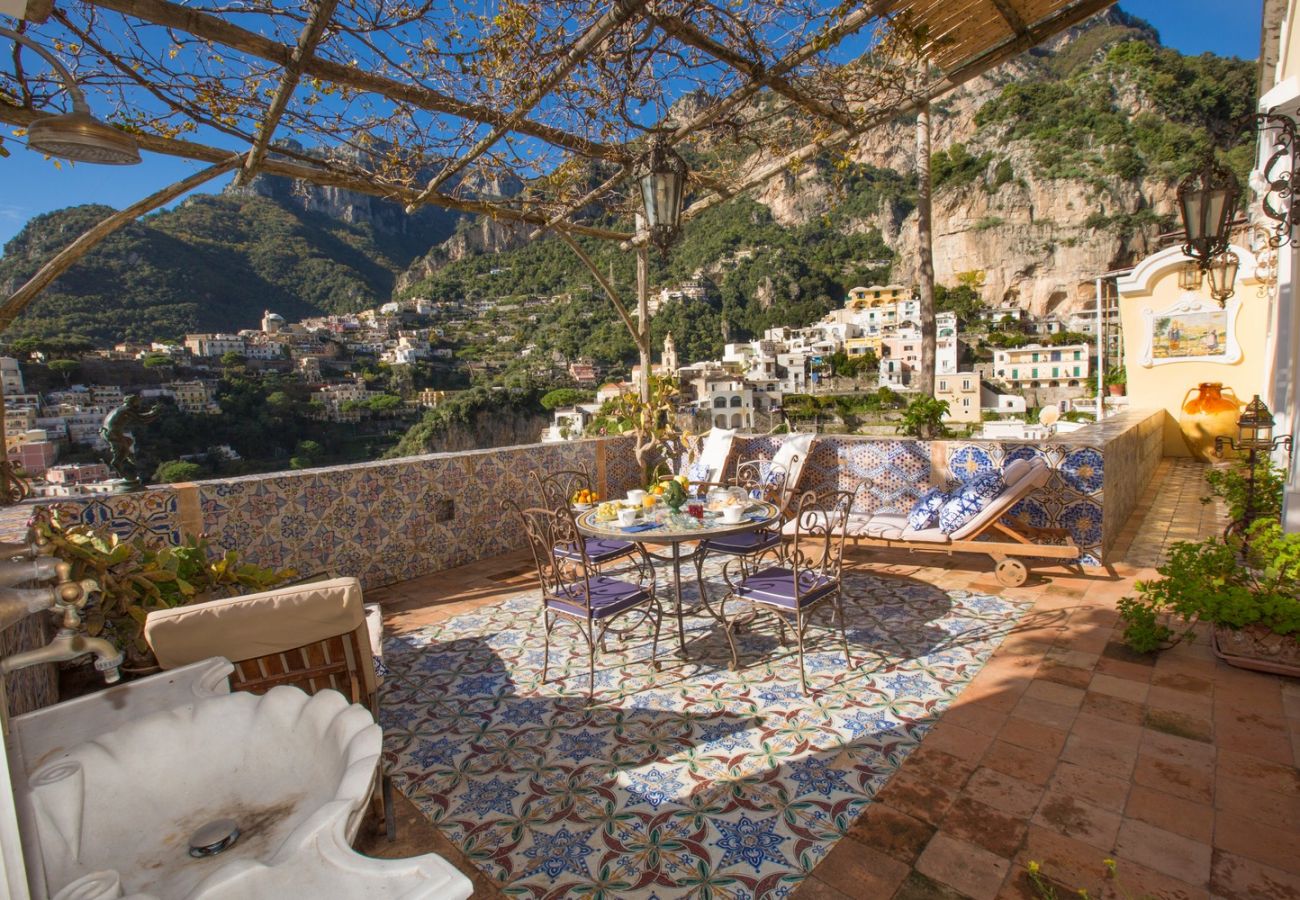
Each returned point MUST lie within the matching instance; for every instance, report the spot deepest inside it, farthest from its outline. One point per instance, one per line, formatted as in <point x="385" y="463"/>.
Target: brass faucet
<point x="67" y="598"/>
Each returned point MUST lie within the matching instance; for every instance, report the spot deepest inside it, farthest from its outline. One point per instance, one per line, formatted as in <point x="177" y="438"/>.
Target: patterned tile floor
<point x="1064" y="749"/>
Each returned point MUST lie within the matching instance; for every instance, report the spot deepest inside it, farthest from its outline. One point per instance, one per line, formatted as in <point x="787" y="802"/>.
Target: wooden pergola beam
<point x="1010" y="16"/>
<point x="307" y="41"/>
<point x="622" y="11"/>
<point x="322" y="174"/>
<point x="213" y="28"/>
<point x="691" y="35"/>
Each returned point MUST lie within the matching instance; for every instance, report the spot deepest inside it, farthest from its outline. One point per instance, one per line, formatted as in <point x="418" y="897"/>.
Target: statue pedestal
<point x="119" y="486"/>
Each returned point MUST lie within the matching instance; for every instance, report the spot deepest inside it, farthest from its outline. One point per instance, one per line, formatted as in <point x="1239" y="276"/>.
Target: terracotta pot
<point x="1256" y="647"/>
<point x="1116" y="390"/>
<point x="1208" y="414"/>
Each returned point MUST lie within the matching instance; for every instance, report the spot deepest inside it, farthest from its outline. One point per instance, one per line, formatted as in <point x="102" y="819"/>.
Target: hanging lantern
<point x="1255" y="427"/>
<point x="1190" y="277"/>
<point x="1222" y="273"/>
<point x="661" y="173"/>
<point x="1208" y="200"/>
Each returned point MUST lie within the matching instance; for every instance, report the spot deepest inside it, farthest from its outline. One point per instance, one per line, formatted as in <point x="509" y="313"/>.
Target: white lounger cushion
<point x="1022" y="477"/>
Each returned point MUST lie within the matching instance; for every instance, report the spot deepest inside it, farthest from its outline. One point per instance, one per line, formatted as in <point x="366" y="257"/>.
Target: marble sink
<point x="112" y="814"/>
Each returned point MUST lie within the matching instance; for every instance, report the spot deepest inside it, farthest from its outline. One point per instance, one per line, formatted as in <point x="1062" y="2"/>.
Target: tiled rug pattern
<point x="694" y="780"/>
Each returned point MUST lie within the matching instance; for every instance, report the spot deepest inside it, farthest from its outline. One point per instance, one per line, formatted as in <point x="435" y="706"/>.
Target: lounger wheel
<point x="1011" y="572"/>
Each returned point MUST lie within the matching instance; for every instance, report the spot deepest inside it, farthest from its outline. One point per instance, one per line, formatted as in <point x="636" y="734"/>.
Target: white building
<point x="1037" y="366"/>
<point x="11" y="376"/>
<point x="215" y="345"/>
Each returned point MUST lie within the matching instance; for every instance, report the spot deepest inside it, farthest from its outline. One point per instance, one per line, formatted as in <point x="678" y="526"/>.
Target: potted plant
<point x="136" y="579"/>
<point x="1117" y="381"/>
<point x="1247" y="588"/>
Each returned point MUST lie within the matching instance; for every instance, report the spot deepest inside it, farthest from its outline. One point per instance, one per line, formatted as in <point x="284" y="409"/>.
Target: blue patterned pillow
<point x="926" y="510"/>
<point x="969" y="500"/>
<point x="698" y="471"/>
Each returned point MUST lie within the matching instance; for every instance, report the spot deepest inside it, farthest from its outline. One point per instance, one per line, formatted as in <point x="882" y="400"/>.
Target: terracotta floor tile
<point x="1234" y="877"/>
<point x="1180" y="724"/>
<point x="1269" y="807"/>
<point x="1060" y="694"/>
<point x="1167" y="852"/>
<point x="1033" y="735"/>
<point x="1182" y="681"/>
<point x="1045" y="712"/>
<point x="1267" y="739"/>
<point x="1124" y="688"/>
<point x="1077" y="659"/>
<point x="1119" y="668"/>
<point x="976" y="718"/>
<point x="957" y="740"/>
<point x="1003" y="792"/>
<point x="1168" y="699"/>
<point x="919" y="887"/>
<point x="1100" y="754"/>
<point x="938" y="767"/>
<point x="1120" y="734"/>
<point x="1189" y="818"/>
<point x="1134" y="880"/>
<point x="1070" y="862"/>
<point x="1247" y="836"/>
<point x="1103" y="790"/>
<point x="813" y="888"/>
<point x="1162" y="774"/>
<point x="1027" y="765"/>
<point x="1259" y="773"/>
<point x="1063" y="812"/>
<point x="974" y="871"/>
<point x="892" y="832"/>
<point x="918" y="797"/>
<point x="977" y="822"/>
<point x="1070" y="676"/>
<point x="861" y="871"/>
<point x="1113" y="708"/>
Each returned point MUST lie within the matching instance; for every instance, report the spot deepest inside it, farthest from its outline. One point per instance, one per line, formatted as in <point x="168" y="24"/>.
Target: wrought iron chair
<point x="773" y="480"/>
<point x="557" y="490"/>
<point x="801" y="574"/>
<point x="573" y="591"/>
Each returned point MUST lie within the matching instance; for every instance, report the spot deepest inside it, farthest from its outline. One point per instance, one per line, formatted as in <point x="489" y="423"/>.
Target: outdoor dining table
<point x="664" y="527"/>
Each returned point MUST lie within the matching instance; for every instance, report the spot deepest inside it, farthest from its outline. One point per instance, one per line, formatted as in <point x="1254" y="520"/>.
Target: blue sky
<point x="32" y="185"/>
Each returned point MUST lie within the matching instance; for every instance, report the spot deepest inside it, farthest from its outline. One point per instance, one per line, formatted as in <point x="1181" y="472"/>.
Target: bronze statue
<point x="121" y="442"/>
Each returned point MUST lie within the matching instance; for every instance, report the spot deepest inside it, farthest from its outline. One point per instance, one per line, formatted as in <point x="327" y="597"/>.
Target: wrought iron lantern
<point x="1222" y="273"/>
<point x="1208" y="199"/>
<point x="1190" y="277"/>
<point x="1255" y="427"/>
<point x="661" y="174"/>
<point x="1255" y="439"/>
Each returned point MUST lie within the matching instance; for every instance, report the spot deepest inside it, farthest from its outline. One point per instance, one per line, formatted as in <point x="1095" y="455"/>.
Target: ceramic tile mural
<point x="693" y="781"/>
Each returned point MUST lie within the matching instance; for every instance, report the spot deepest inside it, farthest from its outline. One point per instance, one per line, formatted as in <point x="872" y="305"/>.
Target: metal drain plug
<point x="213" y="838"/>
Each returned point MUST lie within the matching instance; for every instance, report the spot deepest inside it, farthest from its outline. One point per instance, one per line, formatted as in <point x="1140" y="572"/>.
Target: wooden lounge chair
<point x="986" y="533"/>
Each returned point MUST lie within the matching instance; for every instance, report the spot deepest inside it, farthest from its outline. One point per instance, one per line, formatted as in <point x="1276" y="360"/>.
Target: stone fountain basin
<point x="128" y="800"/>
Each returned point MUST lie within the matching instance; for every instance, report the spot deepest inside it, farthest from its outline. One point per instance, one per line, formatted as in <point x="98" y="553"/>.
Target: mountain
<point x="215" y="262"/>
<point x="1048" y="171"/>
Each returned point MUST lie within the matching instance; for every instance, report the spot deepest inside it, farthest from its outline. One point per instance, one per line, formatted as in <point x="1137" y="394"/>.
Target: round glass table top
<point x="661" y="525"/>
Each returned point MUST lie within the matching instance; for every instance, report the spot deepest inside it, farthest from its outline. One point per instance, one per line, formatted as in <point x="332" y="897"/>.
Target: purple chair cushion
<point x="609" y="596"/>
<point x="775" y="587"/>
<point x="599" y="550"/>
<point x="743" y="542"/>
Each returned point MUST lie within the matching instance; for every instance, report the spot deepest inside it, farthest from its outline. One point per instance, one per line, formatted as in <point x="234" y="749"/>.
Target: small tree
<point x="231" y="358"/>
<point x="64" y="368"/>
<point x="923" y="419"/>
<point x="565" y="397"/>
<point x="175" y="470"/>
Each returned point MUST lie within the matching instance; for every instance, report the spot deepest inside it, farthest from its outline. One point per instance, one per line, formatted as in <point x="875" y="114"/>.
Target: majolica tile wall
<point x="1086" y="496"/>
<point x="389" y="521"/>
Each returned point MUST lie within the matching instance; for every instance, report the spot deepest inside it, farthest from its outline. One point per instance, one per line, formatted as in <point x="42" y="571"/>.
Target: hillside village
<point x="993" y="363"/>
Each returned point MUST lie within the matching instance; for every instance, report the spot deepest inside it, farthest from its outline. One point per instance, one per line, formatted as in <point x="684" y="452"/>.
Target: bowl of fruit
<point x="583" y="500"/>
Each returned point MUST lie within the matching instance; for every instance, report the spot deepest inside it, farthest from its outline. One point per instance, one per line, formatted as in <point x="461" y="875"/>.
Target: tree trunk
<point x="925" y="252"/>
<point x="643" y="317"/>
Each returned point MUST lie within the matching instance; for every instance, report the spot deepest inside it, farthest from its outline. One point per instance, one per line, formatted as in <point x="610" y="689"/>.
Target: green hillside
<point x="214" y="263"/>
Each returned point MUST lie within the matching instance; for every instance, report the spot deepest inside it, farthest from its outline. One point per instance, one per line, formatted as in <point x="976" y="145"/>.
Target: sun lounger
<point x="985" y="533"/>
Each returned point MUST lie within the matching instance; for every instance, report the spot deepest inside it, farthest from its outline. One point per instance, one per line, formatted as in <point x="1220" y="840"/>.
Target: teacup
<point x="731" y="514"/>
<point x="635" y="497"/>
<point x="627" y="516"/>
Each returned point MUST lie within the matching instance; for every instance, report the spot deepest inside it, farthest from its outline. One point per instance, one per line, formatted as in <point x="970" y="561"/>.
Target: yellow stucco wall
<point x="1153" y="285"/>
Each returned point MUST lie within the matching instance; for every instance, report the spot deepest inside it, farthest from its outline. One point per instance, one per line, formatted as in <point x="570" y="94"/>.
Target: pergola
<point x="424" y="102"/>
